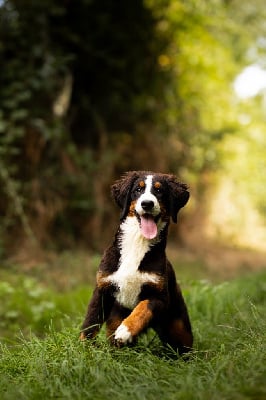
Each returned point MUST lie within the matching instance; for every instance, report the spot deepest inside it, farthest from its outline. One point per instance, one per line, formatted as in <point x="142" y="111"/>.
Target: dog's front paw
<point x="123" y="335"/>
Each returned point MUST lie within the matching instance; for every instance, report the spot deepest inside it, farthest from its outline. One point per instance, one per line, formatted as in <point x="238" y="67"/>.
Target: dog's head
<point x="150" y="197"/>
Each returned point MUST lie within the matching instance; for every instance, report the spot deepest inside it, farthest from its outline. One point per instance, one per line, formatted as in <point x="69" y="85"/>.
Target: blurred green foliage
<point x="24" y="305"/>
<point x="90" y="89"/>
<point x="28" y="307"/>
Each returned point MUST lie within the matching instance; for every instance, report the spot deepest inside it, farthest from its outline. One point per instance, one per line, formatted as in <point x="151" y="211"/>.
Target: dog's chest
<point x="128" y="279"/>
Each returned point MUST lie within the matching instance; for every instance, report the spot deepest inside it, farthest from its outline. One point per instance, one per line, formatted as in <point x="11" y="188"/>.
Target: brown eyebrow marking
<point x="157" y="185"/>
<point x="142" y="184"/>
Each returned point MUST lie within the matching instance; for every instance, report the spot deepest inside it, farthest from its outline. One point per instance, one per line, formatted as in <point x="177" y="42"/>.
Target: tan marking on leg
<point x="111" y="325"/>
<point x="139" y="318"/>
<point x="82" y="336"/>
<point x="179" y="333"/>
<point x="91" y="334"/>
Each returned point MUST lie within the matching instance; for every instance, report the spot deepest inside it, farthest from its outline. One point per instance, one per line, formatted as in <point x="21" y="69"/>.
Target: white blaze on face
<point x="147" y="224"/>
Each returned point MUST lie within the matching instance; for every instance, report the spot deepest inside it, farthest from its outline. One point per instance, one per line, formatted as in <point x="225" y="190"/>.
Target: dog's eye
<point x="139" y="189"/>
<point x="158" y="187"/>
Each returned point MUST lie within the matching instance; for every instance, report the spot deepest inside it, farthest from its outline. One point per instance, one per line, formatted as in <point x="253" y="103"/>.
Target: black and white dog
<point x="136" y="285"/>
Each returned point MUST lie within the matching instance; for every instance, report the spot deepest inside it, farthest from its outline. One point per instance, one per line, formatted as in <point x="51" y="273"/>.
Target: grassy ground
<point x="228" y="361"/>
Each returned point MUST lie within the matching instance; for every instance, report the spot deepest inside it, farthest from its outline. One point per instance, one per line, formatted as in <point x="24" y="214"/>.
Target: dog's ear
<point x="179" y="196"/>
<point x="121" y="191"/>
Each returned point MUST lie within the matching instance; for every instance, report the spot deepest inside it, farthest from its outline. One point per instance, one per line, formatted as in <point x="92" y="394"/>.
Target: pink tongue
<point x="148" y="227"/>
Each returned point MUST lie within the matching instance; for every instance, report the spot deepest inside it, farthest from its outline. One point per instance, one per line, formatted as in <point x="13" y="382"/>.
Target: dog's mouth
<point x="148" y="225"/>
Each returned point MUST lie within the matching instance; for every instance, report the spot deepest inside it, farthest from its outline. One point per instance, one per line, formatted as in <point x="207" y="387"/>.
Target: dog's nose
<point x="147" y="205"/>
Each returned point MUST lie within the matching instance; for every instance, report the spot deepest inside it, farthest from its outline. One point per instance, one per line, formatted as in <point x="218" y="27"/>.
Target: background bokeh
<point x="91" y="89"/>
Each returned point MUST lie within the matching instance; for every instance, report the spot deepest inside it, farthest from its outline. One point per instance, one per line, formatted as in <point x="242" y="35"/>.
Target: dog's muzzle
<point x="148" y="221"/>
<point x="148" y="213"/>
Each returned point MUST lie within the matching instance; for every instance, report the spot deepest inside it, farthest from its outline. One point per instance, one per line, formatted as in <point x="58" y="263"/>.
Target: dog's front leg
<point x="136" y="322"/>
<point x="97" y="313"/>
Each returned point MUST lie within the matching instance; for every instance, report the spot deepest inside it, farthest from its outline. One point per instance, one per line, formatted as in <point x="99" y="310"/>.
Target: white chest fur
<point x="128" y="278"/>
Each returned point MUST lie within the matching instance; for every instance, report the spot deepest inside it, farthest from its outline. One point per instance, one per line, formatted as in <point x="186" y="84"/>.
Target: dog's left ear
<point x="121" y="191"/>
<point x="179" y="196"/>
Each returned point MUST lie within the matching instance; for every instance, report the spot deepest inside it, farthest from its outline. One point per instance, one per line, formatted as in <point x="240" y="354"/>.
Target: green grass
<point x="228" y="361"/>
